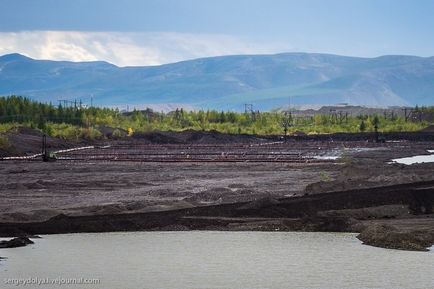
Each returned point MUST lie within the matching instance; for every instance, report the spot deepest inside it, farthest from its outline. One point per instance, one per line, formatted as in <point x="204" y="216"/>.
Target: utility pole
<point x="286" y="123"/>
<point x="407" y="113"/>
<point x="248" y="108"/>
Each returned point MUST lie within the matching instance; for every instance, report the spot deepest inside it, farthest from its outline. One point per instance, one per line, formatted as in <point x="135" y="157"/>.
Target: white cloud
<point x="130" y="48"/>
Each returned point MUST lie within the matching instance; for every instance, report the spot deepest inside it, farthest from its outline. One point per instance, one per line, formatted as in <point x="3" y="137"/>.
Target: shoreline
<point x="325" y="212"/>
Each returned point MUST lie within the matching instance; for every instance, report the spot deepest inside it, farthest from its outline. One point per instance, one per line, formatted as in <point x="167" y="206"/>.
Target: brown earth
<point x="395" y="237"/>
<point x="37" y="191"/>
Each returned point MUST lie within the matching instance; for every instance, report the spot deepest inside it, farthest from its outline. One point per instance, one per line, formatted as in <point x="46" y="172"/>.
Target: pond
<point x="207" y="259"/>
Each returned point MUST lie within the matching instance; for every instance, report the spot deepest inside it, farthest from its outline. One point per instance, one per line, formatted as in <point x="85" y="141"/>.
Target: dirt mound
<point x="157" y="137"/>
<point x="196" y="137"/>
<point x="386" y="236"/>
<point x="111" y="132"/>
<point x="29" y="131"/>
<point x="16" y="242"/>
<point x="28" y="141"/>
<point x="428" y="129"/>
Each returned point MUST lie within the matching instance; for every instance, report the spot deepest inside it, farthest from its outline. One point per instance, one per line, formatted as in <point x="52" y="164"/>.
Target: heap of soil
<point x="428" y="129"/>
<point x="108" y="131"/>
<point x="387" y="236"/>
<point x="15" y="242"/>
<point x="25" y="141"/>
<point x="192" y="136"/>
<point x="28" y="141"/>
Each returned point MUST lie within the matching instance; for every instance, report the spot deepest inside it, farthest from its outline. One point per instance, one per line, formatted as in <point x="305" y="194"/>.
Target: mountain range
<point x="227" y="82"/>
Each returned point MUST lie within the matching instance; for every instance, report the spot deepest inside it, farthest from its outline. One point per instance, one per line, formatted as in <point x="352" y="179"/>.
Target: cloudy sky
<point x="153" y="32"/>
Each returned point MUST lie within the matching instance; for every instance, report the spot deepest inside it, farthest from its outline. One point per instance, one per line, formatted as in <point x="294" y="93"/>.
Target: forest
<point x="73" y="122"/>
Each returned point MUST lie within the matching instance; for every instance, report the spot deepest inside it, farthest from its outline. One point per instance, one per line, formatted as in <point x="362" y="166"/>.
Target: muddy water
<point x="215" y="260"/>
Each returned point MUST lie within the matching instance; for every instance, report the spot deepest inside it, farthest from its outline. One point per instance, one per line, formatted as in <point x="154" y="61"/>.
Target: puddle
<point x="361" y="149"/>
<point x="416" y="159"/>
<point x="338" y="153"/>
<point x="326" y="157"/>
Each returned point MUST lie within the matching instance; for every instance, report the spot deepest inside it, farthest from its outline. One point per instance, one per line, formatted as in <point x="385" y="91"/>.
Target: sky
<point x="154" y="32"/>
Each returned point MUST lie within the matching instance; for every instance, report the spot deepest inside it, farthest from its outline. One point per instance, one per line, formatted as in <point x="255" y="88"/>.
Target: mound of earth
<point x="428" y="129"/>
<point x="27" y="141"/>
<point x="387" y="236"/>
<point x="111" y="132"/>
<point x="192" y="136"/>
<point x="15" y="242"/>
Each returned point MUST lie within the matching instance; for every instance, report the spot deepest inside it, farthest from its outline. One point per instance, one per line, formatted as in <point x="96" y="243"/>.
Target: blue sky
<point x="134" y="32"/>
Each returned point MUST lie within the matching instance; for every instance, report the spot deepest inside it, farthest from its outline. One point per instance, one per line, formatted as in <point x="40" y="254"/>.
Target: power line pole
<point x="248" y="108"/>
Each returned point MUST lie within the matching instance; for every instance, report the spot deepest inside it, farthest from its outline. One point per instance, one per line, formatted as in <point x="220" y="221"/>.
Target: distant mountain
<point x="227" y="82"/>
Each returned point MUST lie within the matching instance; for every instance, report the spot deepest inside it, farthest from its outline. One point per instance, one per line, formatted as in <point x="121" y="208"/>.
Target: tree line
<point x="75" y="122"/>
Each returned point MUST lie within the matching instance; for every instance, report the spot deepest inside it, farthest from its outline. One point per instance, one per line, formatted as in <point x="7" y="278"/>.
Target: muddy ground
<point x="36" y="191"/>
<point x="33" y="191"/>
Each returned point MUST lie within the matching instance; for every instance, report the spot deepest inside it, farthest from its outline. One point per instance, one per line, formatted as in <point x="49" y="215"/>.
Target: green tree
<point x="362" y="126"/>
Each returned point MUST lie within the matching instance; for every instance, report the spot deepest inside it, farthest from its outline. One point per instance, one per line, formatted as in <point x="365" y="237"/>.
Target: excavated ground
<point x="351" y="193"/>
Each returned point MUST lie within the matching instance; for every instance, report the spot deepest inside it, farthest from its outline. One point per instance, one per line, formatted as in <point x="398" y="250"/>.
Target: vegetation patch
<point x="4" y="143"/>
<point x="84" y="122"/>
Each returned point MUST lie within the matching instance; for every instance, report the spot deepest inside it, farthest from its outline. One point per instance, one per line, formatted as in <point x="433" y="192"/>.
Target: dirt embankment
<point x="389" y="236"/>
<point x="215" y="137"/>
<point x="15" y="242"/>
<point x="198" y="137"/>
<point x="25" y="141"/>
<point x="319" y="212"/>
